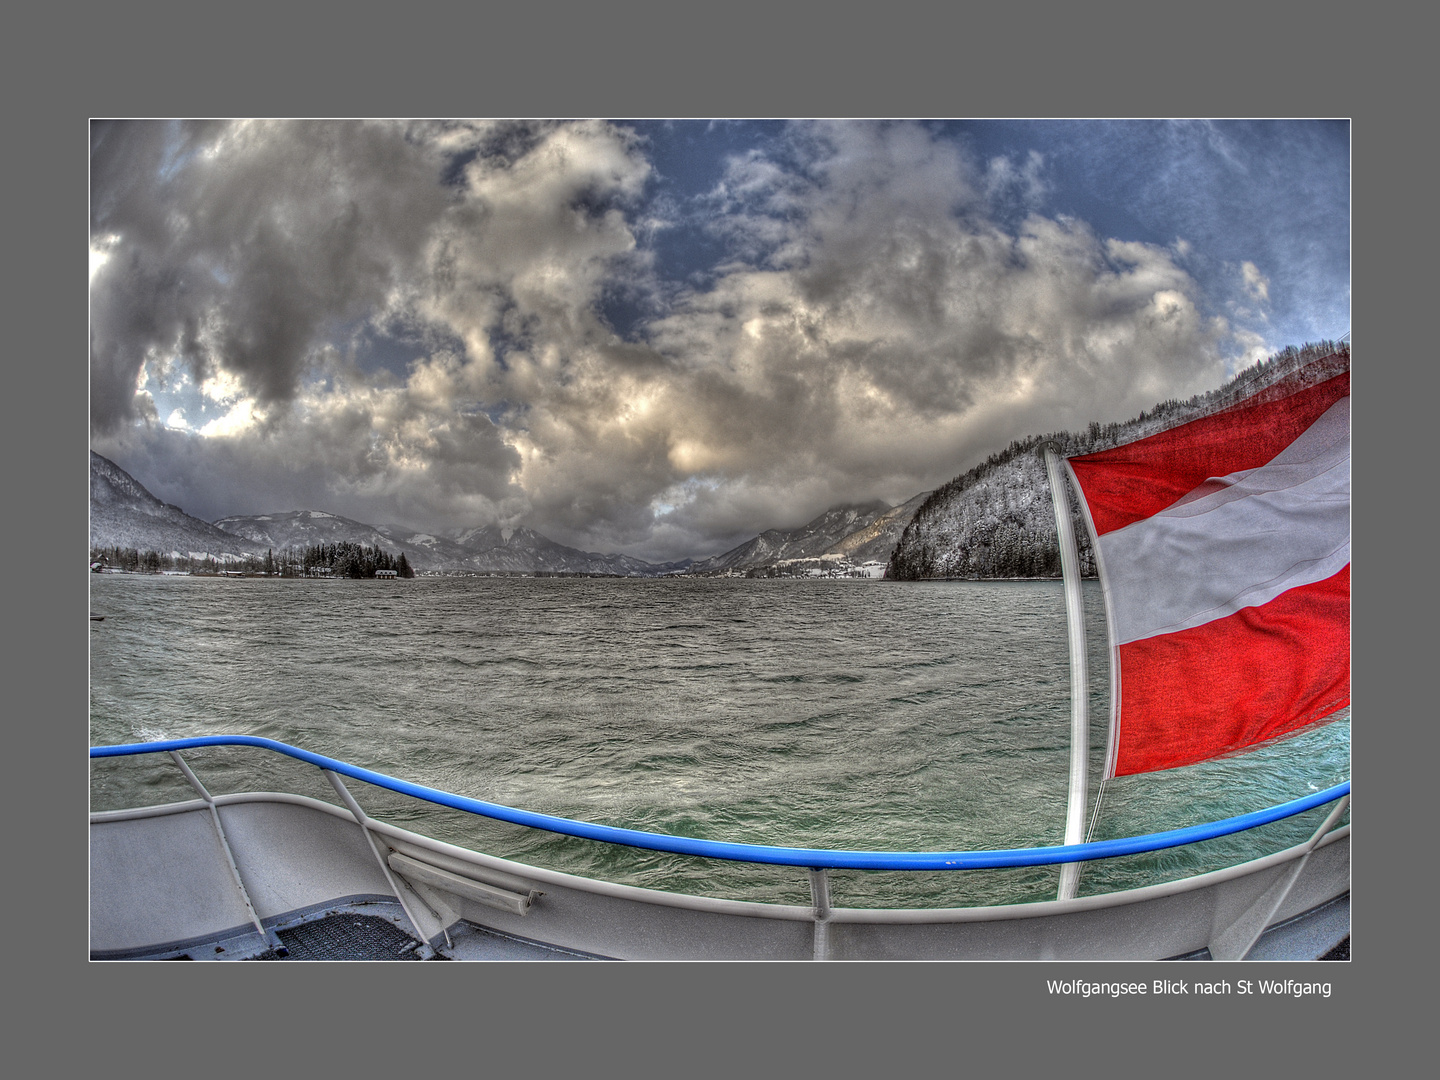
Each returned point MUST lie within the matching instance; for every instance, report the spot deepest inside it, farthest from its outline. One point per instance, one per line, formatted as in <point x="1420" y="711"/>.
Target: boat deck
<point x="371" y="937"/>
<point x="370" y="931"/>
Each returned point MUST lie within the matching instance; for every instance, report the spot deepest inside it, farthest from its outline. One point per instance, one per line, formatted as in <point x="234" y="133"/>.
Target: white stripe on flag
<point x="1237" y="541"/>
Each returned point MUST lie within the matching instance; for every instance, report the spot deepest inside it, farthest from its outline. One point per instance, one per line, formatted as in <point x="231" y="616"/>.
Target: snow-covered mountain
<point x="810" y="541"/>
<point x="490" y="548"/>
<point x="995" y="521"/>
<point x="302" y="528"/>
<point x="858" y="532"/>
<point x="123" y="514"/>
<point x="426" y="551"/>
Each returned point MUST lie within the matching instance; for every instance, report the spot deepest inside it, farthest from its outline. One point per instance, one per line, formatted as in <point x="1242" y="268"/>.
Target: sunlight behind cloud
<point x="101" y="248"/>
<point x="241" y="418"/>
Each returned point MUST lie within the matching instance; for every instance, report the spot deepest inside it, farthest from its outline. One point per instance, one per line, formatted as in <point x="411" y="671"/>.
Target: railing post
<point x="820" y="901"/>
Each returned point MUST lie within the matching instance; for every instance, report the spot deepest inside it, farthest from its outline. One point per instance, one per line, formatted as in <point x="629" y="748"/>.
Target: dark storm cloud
<point x="240" y="245"/>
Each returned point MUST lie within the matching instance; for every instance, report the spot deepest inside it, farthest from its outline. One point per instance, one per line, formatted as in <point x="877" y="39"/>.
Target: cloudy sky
<point x="660" y="338"/>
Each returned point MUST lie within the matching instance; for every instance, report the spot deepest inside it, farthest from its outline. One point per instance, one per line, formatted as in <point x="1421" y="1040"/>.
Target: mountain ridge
<point x="124" y="514"/>
<point x="811" y="540"/>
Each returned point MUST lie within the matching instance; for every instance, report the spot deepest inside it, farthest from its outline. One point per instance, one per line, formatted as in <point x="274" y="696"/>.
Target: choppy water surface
<point x="842" y="714"/>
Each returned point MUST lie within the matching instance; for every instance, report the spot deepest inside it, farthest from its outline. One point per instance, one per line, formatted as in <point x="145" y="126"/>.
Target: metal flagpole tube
<point x="1112" y="724"/>
<point x="1079" y="673"/>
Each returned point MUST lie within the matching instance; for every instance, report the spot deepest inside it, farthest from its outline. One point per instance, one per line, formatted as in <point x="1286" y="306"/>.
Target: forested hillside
<point x="997" y="521"/>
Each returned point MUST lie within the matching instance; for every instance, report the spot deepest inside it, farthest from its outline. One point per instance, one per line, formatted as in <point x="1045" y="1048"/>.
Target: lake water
<point x="843" y="714"/>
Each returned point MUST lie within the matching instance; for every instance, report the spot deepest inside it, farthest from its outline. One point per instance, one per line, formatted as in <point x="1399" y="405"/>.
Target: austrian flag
<point x="1224" y="552"/>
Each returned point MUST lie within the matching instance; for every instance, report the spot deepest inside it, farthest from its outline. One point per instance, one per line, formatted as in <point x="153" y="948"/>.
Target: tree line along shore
<point x="340" y="560"/>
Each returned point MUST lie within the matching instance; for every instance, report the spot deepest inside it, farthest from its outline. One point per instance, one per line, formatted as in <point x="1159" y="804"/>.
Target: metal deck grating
<point x="346" y="937"/>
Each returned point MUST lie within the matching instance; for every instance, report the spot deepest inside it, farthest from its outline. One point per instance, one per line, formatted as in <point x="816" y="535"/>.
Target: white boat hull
<point x="162" y="885"/>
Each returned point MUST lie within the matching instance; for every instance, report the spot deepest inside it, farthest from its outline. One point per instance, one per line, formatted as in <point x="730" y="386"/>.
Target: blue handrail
<point x="763" y="853"/>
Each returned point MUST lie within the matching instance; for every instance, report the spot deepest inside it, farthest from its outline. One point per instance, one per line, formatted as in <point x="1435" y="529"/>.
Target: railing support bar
<point x="1239" y="938"/>
<point x="270" y="938"/>
<point x="1328" y="824"/>
<point x="363" y="820"/>
<point x="820" y="901"/>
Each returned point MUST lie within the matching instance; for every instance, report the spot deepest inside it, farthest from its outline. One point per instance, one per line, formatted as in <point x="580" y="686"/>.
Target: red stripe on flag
<point x="1262" y="672"/>
<point x="1140" y="479"/>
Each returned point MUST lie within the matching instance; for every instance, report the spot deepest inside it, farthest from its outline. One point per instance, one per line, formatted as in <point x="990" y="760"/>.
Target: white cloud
<point x="1257" y="285"/>
<point x="873" y="332"/>
<point x="1007" y="183"/>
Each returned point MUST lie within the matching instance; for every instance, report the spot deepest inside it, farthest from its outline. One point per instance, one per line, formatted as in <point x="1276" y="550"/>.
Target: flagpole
<point x="1079" y="672"/>
<point x="1108" y="771"/>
